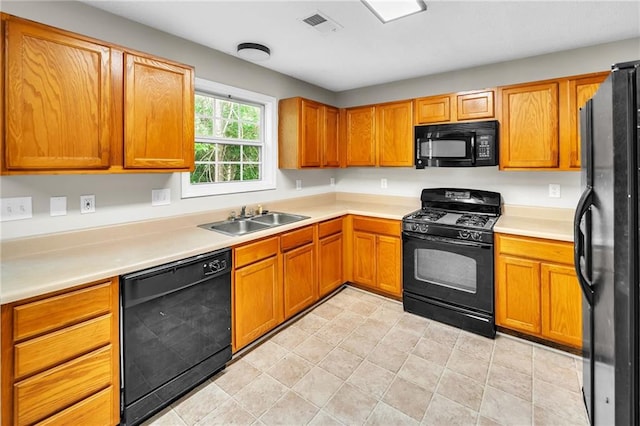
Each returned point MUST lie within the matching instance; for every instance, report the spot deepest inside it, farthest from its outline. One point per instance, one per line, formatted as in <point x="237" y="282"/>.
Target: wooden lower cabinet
<point x="299" y="276"/>
<point x="60" y="357"/>
<point x="537" y="291"/>
<point x="330" y="270"/>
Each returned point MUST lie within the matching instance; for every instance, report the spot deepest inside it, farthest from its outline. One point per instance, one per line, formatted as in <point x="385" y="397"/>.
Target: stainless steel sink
<point x="252" y="224"/>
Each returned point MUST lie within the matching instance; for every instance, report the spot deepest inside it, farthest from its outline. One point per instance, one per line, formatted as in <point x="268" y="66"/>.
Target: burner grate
<point x="430" y="215"/>
<point x="472" y="220"/>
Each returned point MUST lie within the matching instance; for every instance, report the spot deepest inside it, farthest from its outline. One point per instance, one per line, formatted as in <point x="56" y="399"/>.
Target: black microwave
<point x="472" y="144"/>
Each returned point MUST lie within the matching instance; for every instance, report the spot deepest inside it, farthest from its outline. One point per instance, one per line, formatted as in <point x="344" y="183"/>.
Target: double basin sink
<point x="246" y="225"/>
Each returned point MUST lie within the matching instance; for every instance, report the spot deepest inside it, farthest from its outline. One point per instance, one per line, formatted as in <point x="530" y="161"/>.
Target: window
<point x="234" y="141"/>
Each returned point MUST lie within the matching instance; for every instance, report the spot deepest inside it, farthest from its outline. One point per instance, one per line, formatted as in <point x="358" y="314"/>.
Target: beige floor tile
<point x="366" y="296"/>
<point x="362" y="307"/>
<point x="394" y="305"/>
<point x="318" y="386"/>
<point x="387" y="357"/>
<point x="505" y="408"/>
<point x="554" y="357"/>
<point x="400" y="339"/>
<point x="313" y="349"/>
<point x="371" y="379"/>
<point x="166" y="417"/>
<point x="484" y="421"/>
<point x="513" y="344"/>
<point x="350" y="405"/>
<point x="421" y="372"/>
<point x="359" y="344"/>
<point x="478" y="346"/>
<point x="443" y="411"/>
<point x="259" y="395"/>
<point x="310" y="323"/>
<point x="350" y="320"/>
<point x="568" y="405"/>
<point x="324" y="419"/>
<point x="290" y="410"/>
<point x="518" y="361"/>
<point x="460" y="389"/>
<point x="341" y="363"/>
<point x="328" y="311"/>
<point x="413" y="323"/>
<point x="464" y="363"/>
<point x="333" y="333"/>
<point x="290" y="369"/>
<point x="373" y="328"/>
<point x="441" y="333"/>
<point x="386" y="315"/>
<point x="564" y="376"/>
<point x="266" y="355"/>
<point x="229" y="413"/>
<point x="545" y="417"/>
<point x="290" y="337"/>
<point x="432" y="351"/>
<point x="198" y="403"/>
<point x="236" y="376"/>
<point x="408" y="397"/>
<point x="385" y="415"/>
<point x="508" y="380"/>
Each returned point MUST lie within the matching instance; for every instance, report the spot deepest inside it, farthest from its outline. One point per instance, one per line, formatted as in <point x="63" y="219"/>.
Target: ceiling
<point x="449" y="35"/>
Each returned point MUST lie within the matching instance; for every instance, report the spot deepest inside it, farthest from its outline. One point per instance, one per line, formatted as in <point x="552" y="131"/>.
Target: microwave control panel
<point x="484" y="147"/>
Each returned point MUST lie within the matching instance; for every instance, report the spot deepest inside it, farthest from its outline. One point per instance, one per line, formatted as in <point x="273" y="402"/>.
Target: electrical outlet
<point x="383" y="183"/>
<point x="554" y="190"/>
<point x="15" y="208"/>
<point x="58" y="206"/>
<point x="298" y="184"/>
<point x="160" y="197"/>
<point x="332" y="181"/>
<point x="87" y="204"/>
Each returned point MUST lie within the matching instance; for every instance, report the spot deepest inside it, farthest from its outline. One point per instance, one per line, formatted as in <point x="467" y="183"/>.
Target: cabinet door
<point x="158" y="114"/>
<point x="530" y="134"/>
<point x="474" y="105"/>
<point x="433" y="109"/>
<point x="364" y="259"/>
<point x="58" y="100"/>
<point x="311" y="137"/>
<point x="330" y="264"/>
<point x="299" y="276"/>
<point x="360" y="133"/>
<point x="331" y="138"/>
<point x="518" y="294"/>
<point x="580" y="90"/>
<point x="257" y="301"/>
<point x="394" y="134"/>
<point x="561" y="305"/>
<point x="389" y="264"/>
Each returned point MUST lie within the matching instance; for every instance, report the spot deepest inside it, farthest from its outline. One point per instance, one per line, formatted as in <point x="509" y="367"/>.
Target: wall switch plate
<point x="15" y="208"/>
<point x="298" y="184"/>
<point x="58" y="206"/>
<point x="160" y="197"/>
<point x="383" y="183"/>
<point x="554" y="190"/>
<point x="332" y="181"/>
<point x="87" y="204"/>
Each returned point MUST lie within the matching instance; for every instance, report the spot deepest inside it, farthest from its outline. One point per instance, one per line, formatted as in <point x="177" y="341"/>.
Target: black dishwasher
<point x="175" y="331"/>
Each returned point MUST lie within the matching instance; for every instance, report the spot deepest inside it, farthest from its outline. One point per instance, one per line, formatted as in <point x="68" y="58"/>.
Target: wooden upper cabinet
<point x="158" y="114"/>
<point x="360" y="136"/>
<point x="581" y="89"/>
<point x="529" y="136"/>
<point x="307" y="134"/>
<point x="394" y="134"/>
<point x="461" y="106"/>
<point x="57" y="98"/>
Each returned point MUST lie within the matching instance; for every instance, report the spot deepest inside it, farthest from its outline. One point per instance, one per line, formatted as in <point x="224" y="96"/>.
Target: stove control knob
<point x="415" y="227"/>
<point x="424" y="228"/>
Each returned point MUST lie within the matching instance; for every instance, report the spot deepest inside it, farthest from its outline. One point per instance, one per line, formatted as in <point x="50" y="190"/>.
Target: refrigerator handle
<point x="580" y="239"/>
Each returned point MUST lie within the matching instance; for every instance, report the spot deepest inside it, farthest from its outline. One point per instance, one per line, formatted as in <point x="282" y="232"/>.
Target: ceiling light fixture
<point x="253" y="51"/>
<point x="387" y="10"/>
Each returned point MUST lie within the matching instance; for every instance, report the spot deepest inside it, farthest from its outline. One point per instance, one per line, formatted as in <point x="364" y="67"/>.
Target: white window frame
<point x="269" y="149"/>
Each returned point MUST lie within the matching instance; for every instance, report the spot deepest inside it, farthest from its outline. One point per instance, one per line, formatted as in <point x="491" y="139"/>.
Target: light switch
<point x="58" y="206"/>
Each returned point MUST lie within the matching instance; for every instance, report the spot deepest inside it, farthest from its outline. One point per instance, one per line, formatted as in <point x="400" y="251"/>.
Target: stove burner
<point x="430" y="215"/>
<point x="472" y="220"/>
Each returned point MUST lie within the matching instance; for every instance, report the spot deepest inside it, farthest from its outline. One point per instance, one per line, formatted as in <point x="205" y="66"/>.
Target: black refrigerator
<point x="606" y="247"/>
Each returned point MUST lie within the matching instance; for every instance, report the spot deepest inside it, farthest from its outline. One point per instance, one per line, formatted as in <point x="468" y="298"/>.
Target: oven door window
<point x="446" y="269"/>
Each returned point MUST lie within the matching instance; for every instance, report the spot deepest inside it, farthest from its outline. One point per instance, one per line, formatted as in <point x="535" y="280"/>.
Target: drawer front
<point x="533" y="248"/>
<point x="377" y="226"/>
<point x="51" y="349"/>
<point x="97" y="409"/>
<point x="329" y="227"/>
<point x="61" y="311"/>
<point x="293" y="239"/>
<point x="52" y="390"/>
<point x="253" y="252"/>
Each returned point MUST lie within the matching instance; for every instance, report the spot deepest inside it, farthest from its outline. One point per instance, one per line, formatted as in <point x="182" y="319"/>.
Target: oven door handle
<point x="448" y="240"/>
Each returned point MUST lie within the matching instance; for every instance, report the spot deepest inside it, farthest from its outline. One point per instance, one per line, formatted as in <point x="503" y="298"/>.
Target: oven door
<point x="452" y="271"/>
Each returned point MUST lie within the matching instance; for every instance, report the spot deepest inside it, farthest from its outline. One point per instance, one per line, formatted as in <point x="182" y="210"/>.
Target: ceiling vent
<point x="322" y="23"/>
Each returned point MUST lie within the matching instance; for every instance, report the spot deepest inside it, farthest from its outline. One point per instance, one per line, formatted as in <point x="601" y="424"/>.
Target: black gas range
<point x="448" y="271"/>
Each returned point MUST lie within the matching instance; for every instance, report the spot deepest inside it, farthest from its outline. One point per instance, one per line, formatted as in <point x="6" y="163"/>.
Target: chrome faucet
<point x="243" y="211"/>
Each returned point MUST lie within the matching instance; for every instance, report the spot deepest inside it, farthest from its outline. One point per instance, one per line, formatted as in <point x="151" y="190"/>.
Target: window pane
<point x="250" y="132"/>
<point x="229" y="152"/>
<point x="251" y="153"/>
<point x="204" y="126"/>
<point x="203" y="105"/>
<point x="250" y="113"/>
<point x="229" y="172"/>
<point x="203" y="173"/>
<point x="251" y="172"/>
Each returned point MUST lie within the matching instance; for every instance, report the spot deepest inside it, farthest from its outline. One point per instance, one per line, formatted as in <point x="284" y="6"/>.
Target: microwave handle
<point x="473" y="149"/>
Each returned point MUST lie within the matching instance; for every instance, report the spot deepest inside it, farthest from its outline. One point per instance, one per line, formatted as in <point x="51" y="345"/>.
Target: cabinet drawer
<point x="296" y="238"/>
<point x="96" y="409"/>
<point x="61" y="311"/>
<point x="51" y="349"/>
<point x="253" y="252"/>
<point x="377" y="226"/>
<point x="50" y="391"/>
<point x="535" y="248"/>
<point x="329" y="227"/>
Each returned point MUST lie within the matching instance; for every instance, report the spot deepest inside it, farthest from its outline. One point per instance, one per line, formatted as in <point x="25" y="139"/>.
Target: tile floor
<point x="359" y="359"/>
